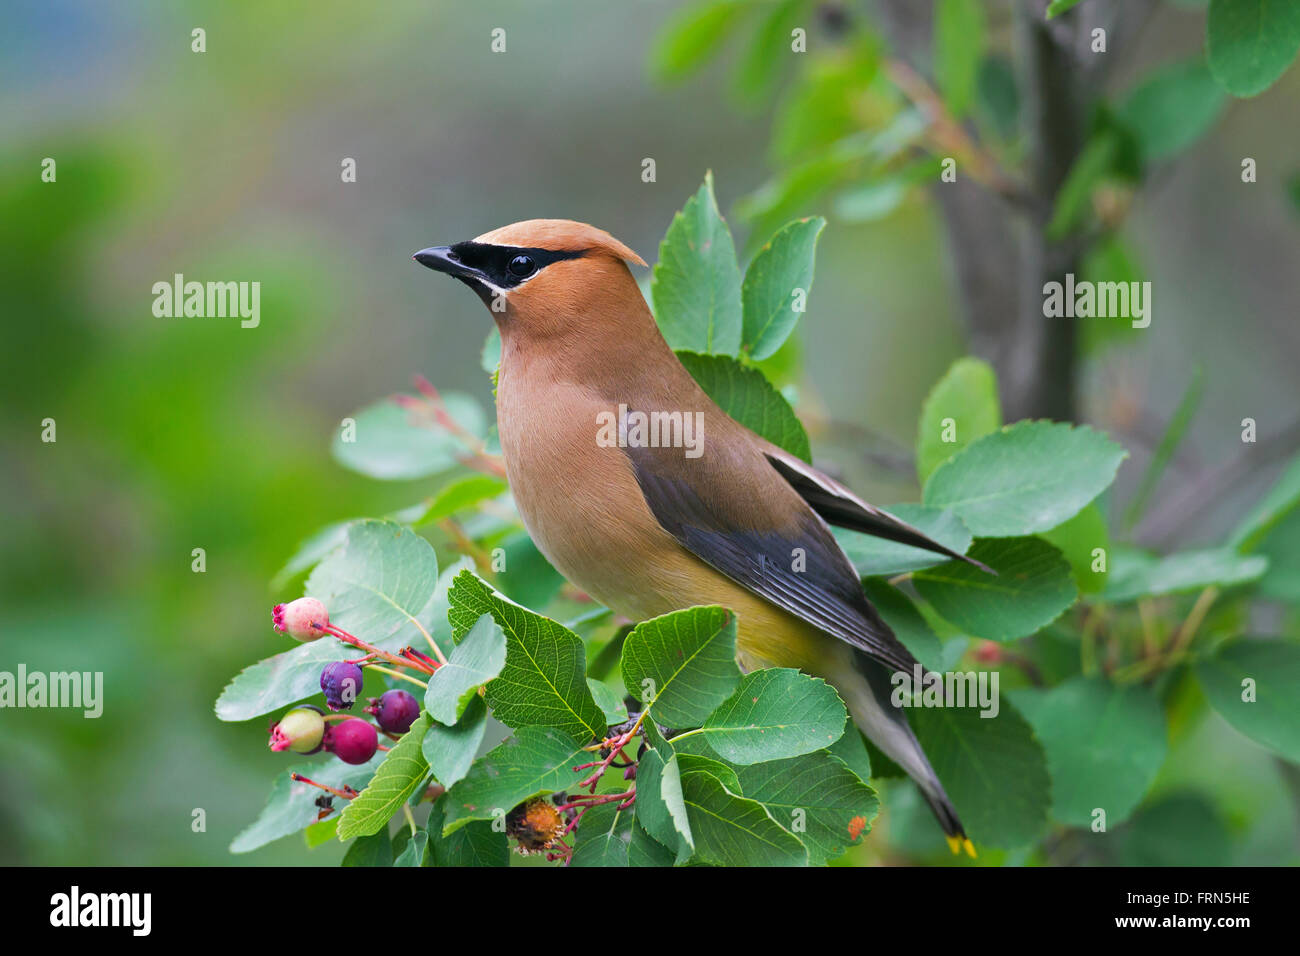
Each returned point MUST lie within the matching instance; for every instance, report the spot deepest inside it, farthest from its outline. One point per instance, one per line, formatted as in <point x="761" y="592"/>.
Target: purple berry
<point x="341" y="682"/>
<point x="353" y="740"/>
<point x="395" y="711"/>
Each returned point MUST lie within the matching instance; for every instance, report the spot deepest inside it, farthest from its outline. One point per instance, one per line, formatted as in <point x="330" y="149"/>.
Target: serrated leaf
<point x="817" y="792"/>
<point x="659" y="804"/>
<point x="775" y="713"/>
<point x="962" y="406"/>
<point x="747" y="396"/>
<point x="875" y="557"/>
<point x="396" y="444"/>
<point x="696" y="284"/>
<point x="1025" y="478"/>
<point x="375" y="584"/>
<point x="645" y="851"/>
<point x="682" y="664"/>
<point x="730" y="830"/>
<point x="1104" y="745"/>
<point x="782" y="268"/>
<point x="450" y="751"/>
<point x="477" y="659"/>
<point x="603" y="837"/>
<point x="1254" y="684"/>
<point x="993" y="769"/>
<point x="1134" y="574"/>
<point x="291" y="806"/>
<point x="404" y="768"/>
<point x="534" y="762"/>
<point x="1250" y="43"/>
<point x="543" y="681"/>
<point x="1032" y="588"/>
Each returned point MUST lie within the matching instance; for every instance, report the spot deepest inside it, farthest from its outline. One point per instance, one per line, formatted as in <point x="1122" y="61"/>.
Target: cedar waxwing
<point x="649" y="530"/>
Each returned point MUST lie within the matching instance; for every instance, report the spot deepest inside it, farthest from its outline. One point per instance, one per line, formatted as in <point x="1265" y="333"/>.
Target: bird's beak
<point x="443" y="259"/>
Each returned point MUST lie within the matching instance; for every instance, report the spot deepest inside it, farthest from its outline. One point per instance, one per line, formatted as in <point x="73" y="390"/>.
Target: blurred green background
<point x="175" y="434"/>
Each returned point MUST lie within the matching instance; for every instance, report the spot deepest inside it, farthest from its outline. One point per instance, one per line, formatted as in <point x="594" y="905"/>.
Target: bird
<point x="649" y="530"/>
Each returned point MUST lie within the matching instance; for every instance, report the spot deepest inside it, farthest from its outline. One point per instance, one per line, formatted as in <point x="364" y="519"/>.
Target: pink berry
<point x="353" y="740"/>
<point x="304" y="619"/>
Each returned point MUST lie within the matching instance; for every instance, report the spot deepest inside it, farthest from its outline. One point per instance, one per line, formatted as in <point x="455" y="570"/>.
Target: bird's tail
<point x="886" y="726"/>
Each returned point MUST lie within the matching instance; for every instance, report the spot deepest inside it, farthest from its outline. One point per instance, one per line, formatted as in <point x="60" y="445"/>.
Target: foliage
<point x="764" y="768"/>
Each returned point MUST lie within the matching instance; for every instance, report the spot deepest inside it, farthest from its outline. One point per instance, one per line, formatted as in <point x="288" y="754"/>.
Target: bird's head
<point x="543" y="277"/>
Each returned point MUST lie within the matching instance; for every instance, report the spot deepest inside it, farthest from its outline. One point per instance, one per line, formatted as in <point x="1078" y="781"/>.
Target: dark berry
<point x="341" y="682"/>
<point x="300" y="730"/>
<point x="353" y="740"/>
<point x="395" y="711"/>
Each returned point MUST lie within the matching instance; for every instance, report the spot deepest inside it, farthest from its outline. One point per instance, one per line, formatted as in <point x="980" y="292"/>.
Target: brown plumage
<point x="648" y="530"/>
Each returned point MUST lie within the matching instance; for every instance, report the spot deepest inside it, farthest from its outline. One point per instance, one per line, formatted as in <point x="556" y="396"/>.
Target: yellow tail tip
<point x="967" y="846"/>
<point x="954" y="844"/>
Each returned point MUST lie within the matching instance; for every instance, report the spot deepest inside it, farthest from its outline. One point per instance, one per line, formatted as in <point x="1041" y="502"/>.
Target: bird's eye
<point x="522" y="266"/>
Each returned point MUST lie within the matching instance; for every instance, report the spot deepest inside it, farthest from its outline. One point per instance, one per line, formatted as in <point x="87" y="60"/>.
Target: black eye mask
<point x="498" y="264"/>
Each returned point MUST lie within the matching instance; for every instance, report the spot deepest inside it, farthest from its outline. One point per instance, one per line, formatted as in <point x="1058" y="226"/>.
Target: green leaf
<point x="747" y="396"/>
<point x="1094" y="163"/>
<point x="526" y="577"/>
<point x="603" y="837"/>
<point x="992" y="768"/>
<point x="852" y="749"/>
<point x="1025" y="478"/>
<point x="1282" y="548"/>
<point x="544" y="680"/>
<point x="775" y="713"/>
<point x="378" y="585"/>
<point x="730" y="830"/>
<point x="1254" y="684"/>
<point x="414" y="852"/>
<point x="780" y="270"/>
<point x="474" y="844"/>
<point x="1280" y="501"/>
<point x="490" y="355"/>
<point x="1104" y="745"/>
<point x="321" y="832"/>
<point x="459" y="495"/>
<point x="291" y="806"/>
<point x="660" y="807"/>
<point x="477" y="659"/>
<point x="696" y="284"/>
<point x="404" y="768"/>
<point x="682" y="664"/>
<point x="450" y="751"/>
<point x="645" y="851"/>
<point x="1032" y="588"/>
<point x="874" y="557"/>
<point x="381" y="579"/>
<point x="1159" y="834"/>
<point x="1134" y="574"/>
<point x="906" y="621"/>
<point x="609" y="701"/>
<point x="692" y="36"/>
<point x="1172" y="109"/>
<point x="1077" y="539"/>
<point x="1250" y="43"/>
<point x="394" y="443"/>
<point x="311" y="550"/>
<point x="961" y="407"/>
<point x="959" y="36"/>
<point x="376" y="849"/>
<point x="1057" y="7"/>
<point x="761" y="65"/>
<point x="815" y="796"/>
<point x="1169" y="442"/>
<point x="534" y="762"/>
